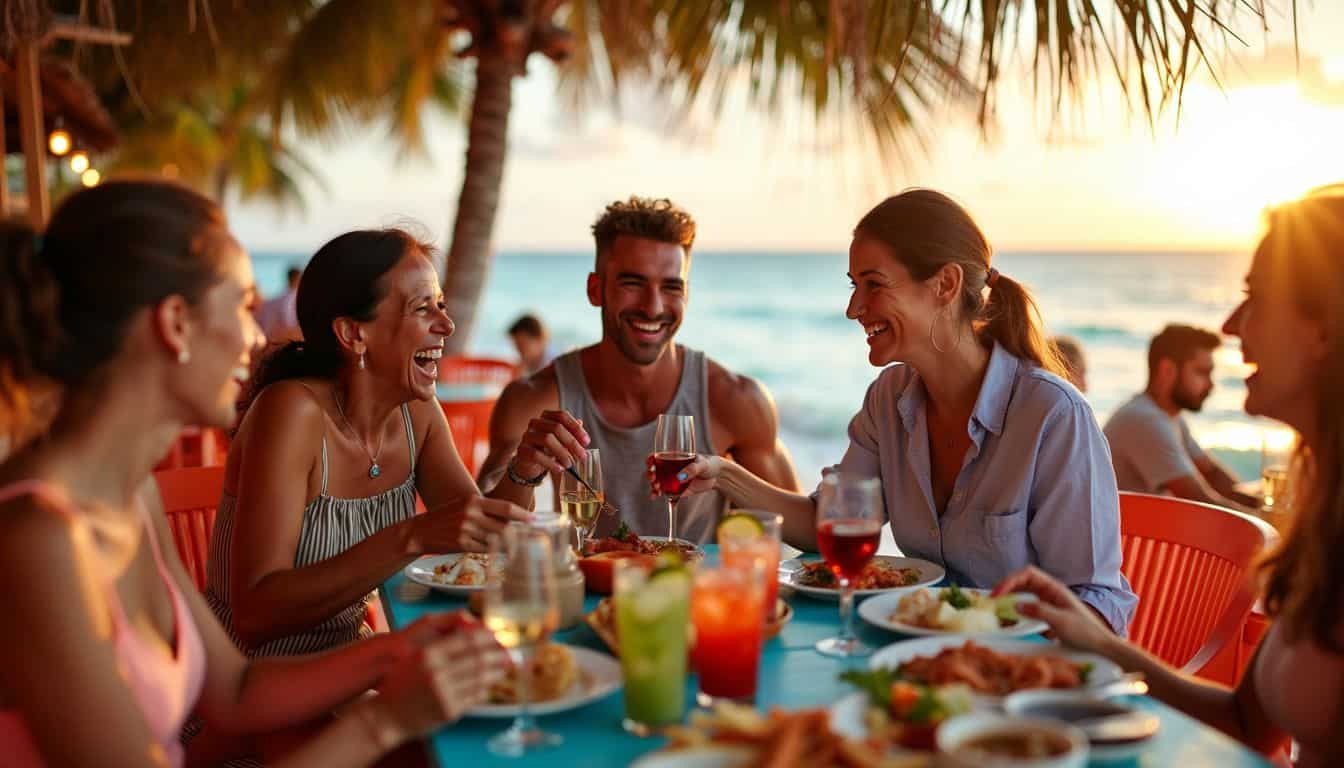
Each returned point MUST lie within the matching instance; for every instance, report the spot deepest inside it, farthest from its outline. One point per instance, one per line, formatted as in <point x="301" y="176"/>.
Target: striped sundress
<point x="330" y="527"/>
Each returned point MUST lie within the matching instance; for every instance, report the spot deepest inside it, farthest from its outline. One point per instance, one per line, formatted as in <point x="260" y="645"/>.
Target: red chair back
<point x="476" y="370"/>
<point x="197" y="447"/>
<point x="469" y="422"/>
<point x="1189" y="564"/>
<point x="190" y="497"/>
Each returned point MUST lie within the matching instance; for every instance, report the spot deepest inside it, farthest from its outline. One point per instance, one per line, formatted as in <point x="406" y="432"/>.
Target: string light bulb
<point x="90" y="178"/>
<point x="79" y="162"/>
<point x="59" y="142"/>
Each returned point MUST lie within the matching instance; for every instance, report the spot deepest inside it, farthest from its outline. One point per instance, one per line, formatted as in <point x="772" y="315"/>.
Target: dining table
<point x="792" y="676"/>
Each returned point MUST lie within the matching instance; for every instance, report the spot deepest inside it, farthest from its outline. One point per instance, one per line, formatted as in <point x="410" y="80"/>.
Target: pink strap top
<point x="165" y="687"/>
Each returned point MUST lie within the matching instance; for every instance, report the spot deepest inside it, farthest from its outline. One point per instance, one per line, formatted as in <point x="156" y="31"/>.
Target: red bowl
<point x="598" y="569"/>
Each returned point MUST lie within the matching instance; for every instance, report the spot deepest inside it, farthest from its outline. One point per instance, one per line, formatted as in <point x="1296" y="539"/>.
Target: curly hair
<point x="657" y="219"/>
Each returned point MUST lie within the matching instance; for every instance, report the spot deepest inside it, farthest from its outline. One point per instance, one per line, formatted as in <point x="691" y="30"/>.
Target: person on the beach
<point x="341" y="432"/>
<point x="989" y="460"/>
<point x="1151" y="445"/>
<point x="1291" y="326"/>
<point x="278" y="316"/>
<point x="609" y="395"/>
<point x="533" y="342"/>
<point x="134" y="302"/>
<point x="1070" y="352"/>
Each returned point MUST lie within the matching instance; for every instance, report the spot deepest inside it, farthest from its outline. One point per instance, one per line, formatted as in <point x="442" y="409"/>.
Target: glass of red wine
<point x="673" y="449"/>
<point x="849" y="524"/>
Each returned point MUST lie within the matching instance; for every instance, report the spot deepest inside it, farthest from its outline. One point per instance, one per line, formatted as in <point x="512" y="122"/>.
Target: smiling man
<point x="609" y="395"/>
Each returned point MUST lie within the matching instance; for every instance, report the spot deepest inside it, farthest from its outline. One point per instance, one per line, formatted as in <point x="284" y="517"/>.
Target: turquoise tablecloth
<point x="792" y="675"/>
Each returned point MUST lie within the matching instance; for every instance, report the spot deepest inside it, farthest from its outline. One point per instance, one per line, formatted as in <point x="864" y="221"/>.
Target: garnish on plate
<point x="903" y="713"/>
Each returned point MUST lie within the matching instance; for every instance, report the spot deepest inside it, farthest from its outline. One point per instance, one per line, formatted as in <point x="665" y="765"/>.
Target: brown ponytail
<point x="28" y="324"/>
<point x="927" y="230"/>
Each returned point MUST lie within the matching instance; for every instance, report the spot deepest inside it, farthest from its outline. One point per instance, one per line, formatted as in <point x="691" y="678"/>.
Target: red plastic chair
<point x="469" y="423"/>
<point x="190" y="497"/>
<point x="1189" y="564"/>
<point x="196" y="447"/>
<point x="476" y="370"/>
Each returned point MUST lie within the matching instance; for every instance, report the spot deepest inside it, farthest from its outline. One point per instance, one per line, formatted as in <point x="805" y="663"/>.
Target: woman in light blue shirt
<point x="989" y="459"/>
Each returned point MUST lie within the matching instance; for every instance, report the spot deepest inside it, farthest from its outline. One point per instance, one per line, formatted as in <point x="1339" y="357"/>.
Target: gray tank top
<point x="625" y="452"/>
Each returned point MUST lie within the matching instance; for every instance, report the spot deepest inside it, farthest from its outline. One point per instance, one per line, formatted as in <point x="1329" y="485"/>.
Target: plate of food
<point x="883" y="574"/>
<point x="561" y="677"/>
<point x="732" y="735"/>
<point x="950" y="611"/>
<point x="625" y="540"/>
<point x="895" y="715"/>
<point x="993" y="667"/>
<point x="459" y="574"/>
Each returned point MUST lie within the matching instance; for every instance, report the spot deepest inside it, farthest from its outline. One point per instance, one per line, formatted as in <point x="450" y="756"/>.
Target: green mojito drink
<point x="653" y="613"/>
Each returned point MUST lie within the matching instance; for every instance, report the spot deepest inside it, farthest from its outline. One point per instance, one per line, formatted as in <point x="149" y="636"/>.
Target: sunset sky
<point x="1099" y="180"/>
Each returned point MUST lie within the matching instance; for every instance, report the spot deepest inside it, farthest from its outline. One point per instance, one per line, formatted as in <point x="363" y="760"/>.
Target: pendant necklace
<point x="374" y="469"/>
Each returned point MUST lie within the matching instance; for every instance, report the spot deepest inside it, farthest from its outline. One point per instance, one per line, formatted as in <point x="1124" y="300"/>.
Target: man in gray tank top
<point x="609" y="395"/>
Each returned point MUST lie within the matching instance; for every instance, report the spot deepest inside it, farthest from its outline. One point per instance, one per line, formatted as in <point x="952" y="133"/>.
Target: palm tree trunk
<point x="468" y="263"/>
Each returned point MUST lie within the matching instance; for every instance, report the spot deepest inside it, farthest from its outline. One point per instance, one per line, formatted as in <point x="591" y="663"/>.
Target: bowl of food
<point x="599" y="568"/>
<point x="985" y="740"/>
<point x="1114" y="730"/>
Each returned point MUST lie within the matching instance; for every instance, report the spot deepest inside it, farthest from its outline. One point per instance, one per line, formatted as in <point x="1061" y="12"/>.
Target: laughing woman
<point x="344" y="430"/>
<point x="989" y="460"/>
<point x="1291" y="326"/>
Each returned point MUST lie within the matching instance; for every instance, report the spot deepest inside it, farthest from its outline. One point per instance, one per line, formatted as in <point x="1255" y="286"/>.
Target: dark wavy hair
<point x="343" y="279"/>
<point x="68" y="294"/>
<point x="925" y="230"/>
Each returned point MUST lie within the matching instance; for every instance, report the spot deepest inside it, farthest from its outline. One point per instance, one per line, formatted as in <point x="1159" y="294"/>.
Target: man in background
<point x="1075" y="364"/>
<point x="279" y="316"/>
<point x="1151" y="445"/>
<point x="532" y="341"/>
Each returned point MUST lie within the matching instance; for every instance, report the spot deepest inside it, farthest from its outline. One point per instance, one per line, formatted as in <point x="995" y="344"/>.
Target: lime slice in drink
<point x="739" y="526"/>
<point x="666" y="586"/>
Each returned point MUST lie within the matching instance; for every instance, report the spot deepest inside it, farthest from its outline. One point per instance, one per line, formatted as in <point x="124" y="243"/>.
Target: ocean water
<point x="779" y="317"/>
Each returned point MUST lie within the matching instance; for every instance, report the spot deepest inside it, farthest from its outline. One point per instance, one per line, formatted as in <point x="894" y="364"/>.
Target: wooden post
<point x="4" y="175"/>
<point x="30" y="133"/>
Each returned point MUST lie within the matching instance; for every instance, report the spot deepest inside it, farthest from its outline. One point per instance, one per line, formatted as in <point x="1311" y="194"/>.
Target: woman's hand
<point x="554" y="441"/>
<point x="467" y="529"/>
<point x="1073" y="621"/>
<point x="428" y="629"/>
<point x="700" y="475"/>
<point x="434" y="686"/>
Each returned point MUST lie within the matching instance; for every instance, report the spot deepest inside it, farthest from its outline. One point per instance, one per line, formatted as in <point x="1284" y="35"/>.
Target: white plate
<point x="712" y="756"/>
<point x="599" y="675"/>
<point x="421" y="571"/>
<point x="1103" y="670"/>
<point x="929" y="574"/>
<point x="696" y="552"/>
<point x="878" y="611"/>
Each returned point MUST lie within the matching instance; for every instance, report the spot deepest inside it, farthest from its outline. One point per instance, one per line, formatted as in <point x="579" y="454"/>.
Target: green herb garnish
<point x="874" y="682"/>
<point x="1085" y="670"/>
<point x="954" y="597"/>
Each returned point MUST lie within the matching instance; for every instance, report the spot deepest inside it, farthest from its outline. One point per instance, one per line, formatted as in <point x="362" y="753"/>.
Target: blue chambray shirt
<point x="1036" y="486"/>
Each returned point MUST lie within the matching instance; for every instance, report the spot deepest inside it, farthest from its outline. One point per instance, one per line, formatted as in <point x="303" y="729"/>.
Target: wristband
<point x="523" y="481"/>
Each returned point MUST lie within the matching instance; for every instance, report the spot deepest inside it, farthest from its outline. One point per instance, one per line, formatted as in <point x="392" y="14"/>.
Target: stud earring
<point x="183" y="356"/>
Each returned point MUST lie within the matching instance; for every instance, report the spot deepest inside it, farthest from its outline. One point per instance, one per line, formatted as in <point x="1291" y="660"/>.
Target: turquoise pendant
<point x="375" y="470"/>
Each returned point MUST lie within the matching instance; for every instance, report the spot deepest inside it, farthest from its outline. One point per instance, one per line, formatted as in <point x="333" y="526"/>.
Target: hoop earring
<point x="361" y="361"/>
<point x="933" y="324"/>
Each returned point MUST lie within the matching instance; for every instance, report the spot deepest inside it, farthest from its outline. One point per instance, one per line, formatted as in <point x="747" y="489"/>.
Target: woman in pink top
<point x="1291" y="326"/>
<point x="134" y="303"/>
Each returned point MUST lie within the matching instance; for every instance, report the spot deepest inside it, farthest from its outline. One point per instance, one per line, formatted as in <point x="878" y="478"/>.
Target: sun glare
<point x="1240" y="151"/>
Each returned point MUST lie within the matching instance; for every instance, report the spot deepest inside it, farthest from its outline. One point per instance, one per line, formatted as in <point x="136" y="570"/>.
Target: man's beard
<point x="635" y="353"/>
<point x="1188" y="402"/>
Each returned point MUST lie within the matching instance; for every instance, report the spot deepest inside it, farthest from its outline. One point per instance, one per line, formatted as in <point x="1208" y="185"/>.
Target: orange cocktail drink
<point x="750" y="539"/>
<point x="726" y="606"/>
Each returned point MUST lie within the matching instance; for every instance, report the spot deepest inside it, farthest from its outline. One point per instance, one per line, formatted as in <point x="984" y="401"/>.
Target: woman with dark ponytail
<point x="340" y="434"/>
<point x="131" y="313"/>
<point x="989" y="460"/>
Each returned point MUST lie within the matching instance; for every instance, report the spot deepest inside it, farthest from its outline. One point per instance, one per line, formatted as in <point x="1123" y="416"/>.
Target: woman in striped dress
<point x="319" y="491"/>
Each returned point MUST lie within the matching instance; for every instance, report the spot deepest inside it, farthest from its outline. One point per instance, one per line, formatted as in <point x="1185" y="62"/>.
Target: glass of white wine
<point x="583" y="504"/>
<point x="522" y="610"/>
<point x="1276" y="454"/>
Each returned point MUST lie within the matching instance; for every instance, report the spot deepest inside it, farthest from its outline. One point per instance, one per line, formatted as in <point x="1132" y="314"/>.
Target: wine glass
<point x="521" y="608"/>
<point x="849" y="525"/>
<point x="583" y="504"/>
<point x="673" y="449"/>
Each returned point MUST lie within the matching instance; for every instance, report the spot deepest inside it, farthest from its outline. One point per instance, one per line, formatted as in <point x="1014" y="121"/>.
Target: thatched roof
<point x="65" y="96"/>
<point x="22" y="21"/>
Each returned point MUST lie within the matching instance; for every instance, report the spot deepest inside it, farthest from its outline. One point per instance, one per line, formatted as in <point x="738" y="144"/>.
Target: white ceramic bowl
<point x="957" y="732"/>
<point x="1070" y="706"/>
